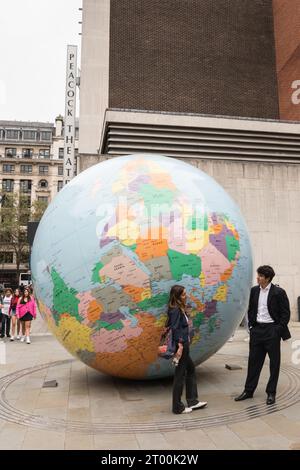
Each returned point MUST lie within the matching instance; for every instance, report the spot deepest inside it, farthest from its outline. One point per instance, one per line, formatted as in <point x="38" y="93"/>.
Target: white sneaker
<point x="12" y="338"/>
<point x="22" y="339"/>
<point x="27" y="339"/>
<point x="187" y="410"/>
<point x="18" y="337"/>
<point x="199" y="405"/>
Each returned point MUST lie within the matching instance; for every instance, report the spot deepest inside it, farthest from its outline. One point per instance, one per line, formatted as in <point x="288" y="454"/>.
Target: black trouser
<point x="5" y="325"/>
<point x="264" y="338"/>
<point x="184" y="372"/>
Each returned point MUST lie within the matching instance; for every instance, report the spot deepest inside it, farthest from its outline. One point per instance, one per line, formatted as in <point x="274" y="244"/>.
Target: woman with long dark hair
<point x="13" y="313"/>
<point x="185" y="370"/>
<point x="26" y="312"/>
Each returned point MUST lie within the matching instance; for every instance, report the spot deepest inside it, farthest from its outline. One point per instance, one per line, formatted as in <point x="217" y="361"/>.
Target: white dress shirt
<point x="263" y="315"/>
<point x="6" y="305"/>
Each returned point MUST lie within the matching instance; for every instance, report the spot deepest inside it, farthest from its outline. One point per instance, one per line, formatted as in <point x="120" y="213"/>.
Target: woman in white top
<point x="5" y="327"/>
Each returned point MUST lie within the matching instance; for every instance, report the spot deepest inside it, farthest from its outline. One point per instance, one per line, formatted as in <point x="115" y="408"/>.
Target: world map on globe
<point x="113" y="243"/>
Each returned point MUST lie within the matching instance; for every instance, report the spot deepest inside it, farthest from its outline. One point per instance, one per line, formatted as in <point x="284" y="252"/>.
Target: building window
<point x="12" y="134"/>
<point x="8" y="186"/>
<point x="6" y="237"/>
<point x="60" y="185"/>
<point x="27" y="153"/>
<point x="43" y="169"/>
<point x="7" y="202"/>
<point x="8" y="168"/>
<point x="46" y="135"/>
<point x="29" y="135"/>
<point x="26" y="168"/>
<point x="12" y="152"/>
<point x="44" y="153"/>
<point x="61" y="153"/>
<point x="6" y="258"/>
<point x="60" y="170"/>
<point x="43" y="184"/>
<point x="25" y="186"/>
<point x="43" y="199"/>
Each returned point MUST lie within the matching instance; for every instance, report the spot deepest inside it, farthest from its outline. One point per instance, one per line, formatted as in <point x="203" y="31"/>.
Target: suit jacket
<point x="179" y="325"/>
<point x="278" y="306"/>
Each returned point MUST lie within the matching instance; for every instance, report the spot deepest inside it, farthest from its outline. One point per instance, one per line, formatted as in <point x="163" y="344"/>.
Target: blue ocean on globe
<point x="112" y="244"/>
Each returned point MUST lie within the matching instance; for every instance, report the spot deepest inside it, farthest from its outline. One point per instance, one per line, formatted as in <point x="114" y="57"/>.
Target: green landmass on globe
<point x="133" y="231"/>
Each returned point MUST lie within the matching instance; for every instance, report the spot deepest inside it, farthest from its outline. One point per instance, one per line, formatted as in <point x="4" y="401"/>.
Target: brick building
<point x="214" y="82"/>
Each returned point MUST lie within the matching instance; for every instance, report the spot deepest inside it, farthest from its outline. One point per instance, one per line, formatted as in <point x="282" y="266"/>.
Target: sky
<point x="34" y="35"/>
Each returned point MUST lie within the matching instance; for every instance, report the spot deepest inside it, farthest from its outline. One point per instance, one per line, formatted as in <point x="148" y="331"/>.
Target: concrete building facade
<point x="31" y="163"/>
<point x="211" y="83"/>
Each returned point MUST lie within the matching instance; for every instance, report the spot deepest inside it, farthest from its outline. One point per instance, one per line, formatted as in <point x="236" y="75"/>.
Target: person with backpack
<point x="185" y="370"/>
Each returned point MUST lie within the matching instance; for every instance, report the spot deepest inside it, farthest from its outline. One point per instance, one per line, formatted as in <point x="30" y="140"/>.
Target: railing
<point x="35" y="156"/>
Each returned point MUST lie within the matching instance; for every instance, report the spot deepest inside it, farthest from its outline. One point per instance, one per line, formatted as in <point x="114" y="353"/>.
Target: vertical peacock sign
<point x="70" y="115"/>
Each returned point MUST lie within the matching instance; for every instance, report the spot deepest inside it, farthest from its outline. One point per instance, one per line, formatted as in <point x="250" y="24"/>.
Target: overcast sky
<point x="33" y="47"/>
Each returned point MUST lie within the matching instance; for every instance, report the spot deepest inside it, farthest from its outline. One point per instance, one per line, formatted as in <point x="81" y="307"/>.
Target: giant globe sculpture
<point x="112" y="244"/>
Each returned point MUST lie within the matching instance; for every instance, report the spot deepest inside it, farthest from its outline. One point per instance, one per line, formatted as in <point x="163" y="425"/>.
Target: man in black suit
<point x="268" y="317"/>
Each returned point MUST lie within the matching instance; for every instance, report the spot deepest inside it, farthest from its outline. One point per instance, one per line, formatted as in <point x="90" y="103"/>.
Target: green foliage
<point x="15" y="213"/>
<point x="37" y="210"/>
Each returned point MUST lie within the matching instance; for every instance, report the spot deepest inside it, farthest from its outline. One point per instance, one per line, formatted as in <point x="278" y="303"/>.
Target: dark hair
<point x="266" y="271"/>
<point x="174" y="299"/>
<point x="22" y="299"/>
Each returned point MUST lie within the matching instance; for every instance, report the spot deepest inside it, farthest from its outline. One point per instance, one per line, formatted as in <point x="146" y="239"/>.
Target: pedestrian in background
<point x="1" y="315"/>
<point x="26" y="312"/>
<point x="5" y="329"/>
<point x="13" y="314"/>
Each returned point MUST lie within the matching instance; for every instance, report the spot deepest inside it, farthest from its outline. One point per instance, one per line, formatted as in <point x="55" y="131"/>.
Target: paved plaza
<point x="88" y="410"/>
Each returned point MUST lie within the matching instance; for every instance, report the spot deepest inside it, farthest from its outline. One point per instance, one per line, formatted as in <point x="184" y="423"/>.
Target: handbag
<point x="167" y="347"/>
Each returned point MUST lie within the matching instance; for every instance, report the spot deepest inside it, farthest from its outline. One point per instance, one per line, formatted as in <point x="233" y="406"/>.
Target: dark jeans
<point x="184" y="373"/>
<point x="264" y="339"/>
<point x="5" y="325"/>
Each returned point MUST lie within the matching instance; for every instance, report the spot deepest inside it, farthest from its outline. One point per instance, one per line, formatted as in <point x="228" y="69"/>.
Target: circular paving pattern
<point x="288" y="396"/>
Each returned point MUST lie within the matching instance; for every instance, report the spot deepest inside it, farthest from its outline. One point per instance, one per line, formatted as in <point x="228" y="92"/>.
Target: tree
<point x="37" y="210"/>
<point x="15" y="213"/>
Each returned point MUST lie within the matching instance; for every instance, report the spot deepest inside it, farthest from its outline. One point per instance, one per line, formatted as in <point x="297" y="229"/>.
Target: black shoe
<point x="8" y="336"/>
<point x="271" y="399"/>
<point x="2" y="336"/>
<point x="244" y="396"/>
